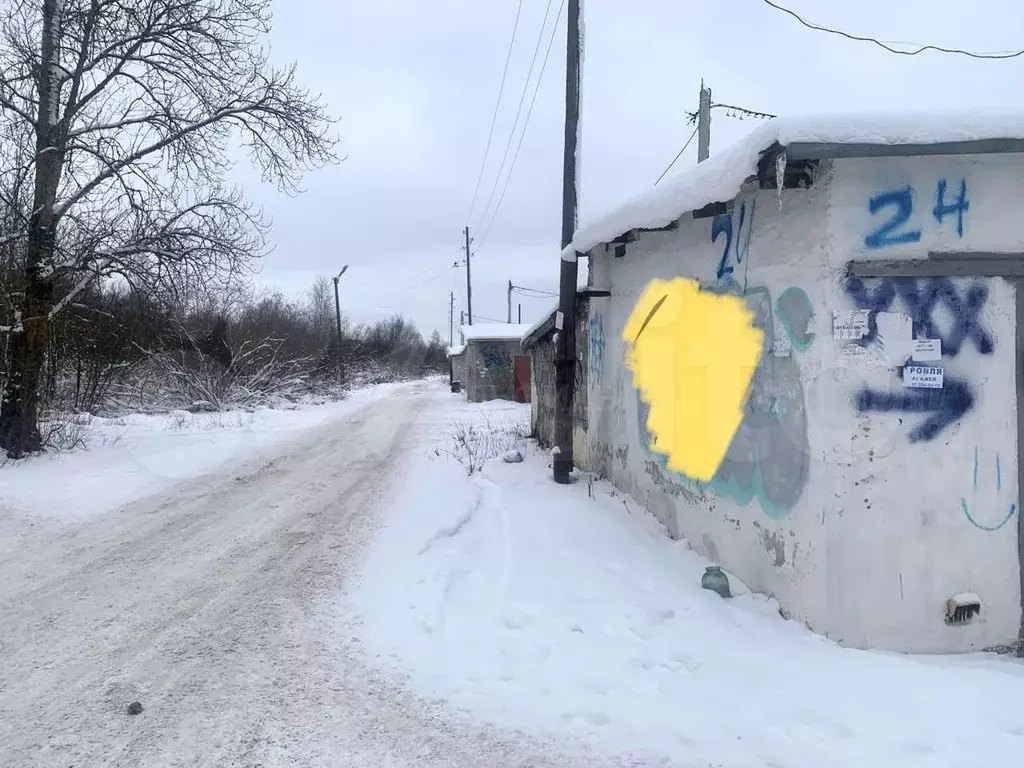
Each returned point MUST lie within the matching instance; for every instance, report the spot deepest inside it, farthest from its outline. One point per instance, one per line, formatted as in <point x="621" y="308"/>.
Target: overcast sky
<point x="415" y="83"/>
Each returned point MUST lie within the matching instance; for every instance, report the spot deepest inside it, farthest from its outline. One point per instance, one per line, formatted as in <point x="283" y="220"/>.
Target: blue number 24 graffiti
<point x="900" y="204"/>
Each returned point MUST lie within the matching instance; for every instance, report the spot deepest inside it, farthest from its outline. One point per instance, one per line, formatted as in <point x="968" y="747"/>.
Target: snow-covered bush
<point x="474" y="444"/>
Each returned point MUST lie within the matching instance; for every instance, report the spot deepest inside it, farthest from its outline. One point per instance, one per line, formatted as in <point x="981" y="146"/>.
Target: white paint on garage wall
<point x="821" y="502"/>
<point x="904" y="207"/>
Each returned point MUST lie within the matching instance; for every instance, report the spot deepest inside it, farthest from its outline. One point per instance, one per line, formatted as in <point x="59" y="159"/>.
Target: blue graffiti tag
<point x="959" y="206"/>
<point x="739" y="247"/>
<point x="945" y="406"/>
<point x="597" y="343"/>
<point x="982" y="526"/>
<point x="921" y="298"/>
<point x="900" y="203"/>
<point x="999" y="486"/>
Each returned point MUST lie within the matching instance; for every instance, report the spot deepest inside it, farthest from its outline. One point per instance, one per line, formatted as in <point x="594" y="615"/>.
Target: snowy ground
<point x="567" y="613"/>
<point x="135" y="456"/>
<point x="203" y="603"/>
<point x="487" y="620"/>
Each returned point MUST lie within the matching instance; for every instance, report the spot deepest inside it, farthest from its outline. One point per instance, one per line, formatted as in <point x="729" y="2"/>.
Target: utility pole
<point x="704" y="124"/>
<point x="520" y="314"/>
<point x="337" y="316"/>
<point x="462" y="322"/>
<point x="451" y="336"/>
<point x="509" y="319"/>
<point x="469" y="283"/>
<point x="565" y="317"/>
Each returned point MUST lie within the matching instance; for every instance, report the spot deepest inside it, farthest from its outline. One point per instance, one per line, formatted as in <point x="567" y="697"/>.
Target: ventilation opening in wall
<point x="962" y="608"/>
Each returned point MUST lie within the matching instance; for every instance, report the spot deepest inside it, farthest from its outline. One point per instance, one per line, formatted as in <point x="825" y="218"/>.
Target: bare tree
<point x="130" y="108"/>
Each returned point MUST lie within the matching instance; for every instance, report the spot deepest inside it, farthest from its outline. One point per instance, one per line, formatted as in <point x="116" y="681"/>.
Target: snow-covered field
<point x="138" y="455"/>
<point x="567" y="613"/>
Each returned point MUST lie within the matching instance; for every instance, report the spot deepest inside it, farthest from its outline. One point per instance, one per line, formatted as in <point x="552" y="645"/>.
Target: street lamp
<point x="337" y="313"/>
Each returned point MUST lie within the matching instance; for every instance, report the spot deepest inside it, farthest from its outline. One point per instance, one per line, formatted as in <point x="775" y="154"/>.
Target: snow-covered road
<point x="201" y="604"/>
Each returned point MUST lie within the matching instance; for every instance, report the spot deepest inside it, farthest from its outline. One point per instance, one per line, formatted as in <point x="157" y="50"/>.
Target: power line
<point x="526" y="124"/>
<point x="531" y="292"/>
<point x="519" y="112"/>
<point x="676" y="158"/>
<point x="919" y="49"/>
<point x="417" y="284"/>
<point x="497" y="106"/>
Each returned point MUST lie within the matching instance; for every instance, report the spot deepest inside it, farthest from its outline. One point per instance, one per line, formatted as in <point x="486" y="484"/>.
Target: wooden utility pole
<point x="704" y="124"/>
<point x="337" y="316"/>
<point x="451" y="336"/>
<point x="469" y="283"/>
<point x="565" y="317"/>
<point x="520" y="314"/>
<point x="509" y="316"/>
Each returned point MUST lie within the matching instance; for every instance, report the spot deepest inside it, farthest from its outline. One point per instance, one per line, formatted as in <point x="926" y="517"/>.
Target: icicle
<point x="780" y="176"/>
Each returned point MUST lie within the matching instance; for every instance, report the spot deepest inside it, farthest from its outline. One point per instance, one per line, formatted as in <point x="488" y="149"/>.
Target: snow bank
<point x="140" y="455"/>
<point x="539" y="608"/>
<point x="543" y="319"/>
<point x="502" y="331"/>
<point x="719" y="178"/>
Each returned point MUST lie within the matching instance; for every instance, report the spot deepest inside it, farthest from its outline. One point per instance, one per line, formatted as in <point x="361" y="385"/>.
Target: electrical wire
<point x="519" y="111"/>
<point x="494" y="117"/>
<point x="676" y="158"/>
<point x="526" y="124"/>
<point x="418" y="284"/>
<point x="919" y="47"/>
<point x="531" y="292"/>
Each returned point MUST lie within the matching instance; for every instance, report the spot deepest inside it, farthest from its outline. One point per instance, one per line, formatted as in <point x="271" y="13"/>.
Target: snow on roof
<point x="456" y="350"/>
<point x="720" y="178"/>
<point x="530" y="330"/>
<point x="494" y="331"/>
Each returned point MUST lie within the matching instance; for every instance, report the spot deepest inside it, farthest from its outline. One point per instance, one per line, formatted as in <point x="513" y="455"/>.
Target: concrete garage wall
<point x="542" y="379"/>
<point x="459" y="368"/>
<point x="489" y="365"/>
<point x="542" y="386"/>
<point x="862" y="505"/>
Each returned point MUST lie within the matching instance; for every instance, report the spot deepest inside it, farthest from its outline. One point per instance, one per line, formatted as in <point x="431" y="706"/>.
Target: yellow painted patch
<point x="693" y="355"/>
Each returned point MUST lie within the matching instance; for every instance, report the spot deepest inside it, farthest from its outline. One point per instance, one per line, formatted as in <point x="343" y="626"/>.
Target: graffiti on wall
<point x="894" y="210"/>
<point x="596" y="333"/>
<point x="495" y="356"/>
<point x="998" y="482"/>
<point x="736" y="247"/>
<point x="768" y="459"/>
<point x="922" y="299"/>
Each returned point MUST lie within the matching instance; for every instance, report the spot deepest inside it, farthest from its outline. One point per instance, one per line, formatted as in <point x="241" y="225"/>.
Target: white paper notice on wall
<point x="895" y="336"/>
<point x="850" y="324"/>
<point x="927" y="350"/>
<point x="922" y="376"/>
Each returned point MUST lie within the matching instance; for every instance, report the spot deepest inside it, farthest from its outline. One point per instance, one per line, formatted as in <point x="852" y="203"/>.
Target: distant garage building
<point x="539" y="344"/>
<point x="457" y="361"/>
<point x="495" y="366"/>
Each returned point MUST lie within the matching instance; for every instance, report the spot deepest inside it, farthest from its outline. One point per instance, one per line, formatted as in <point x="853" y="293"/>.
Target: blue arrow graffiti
<point x="946" y="405"/>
